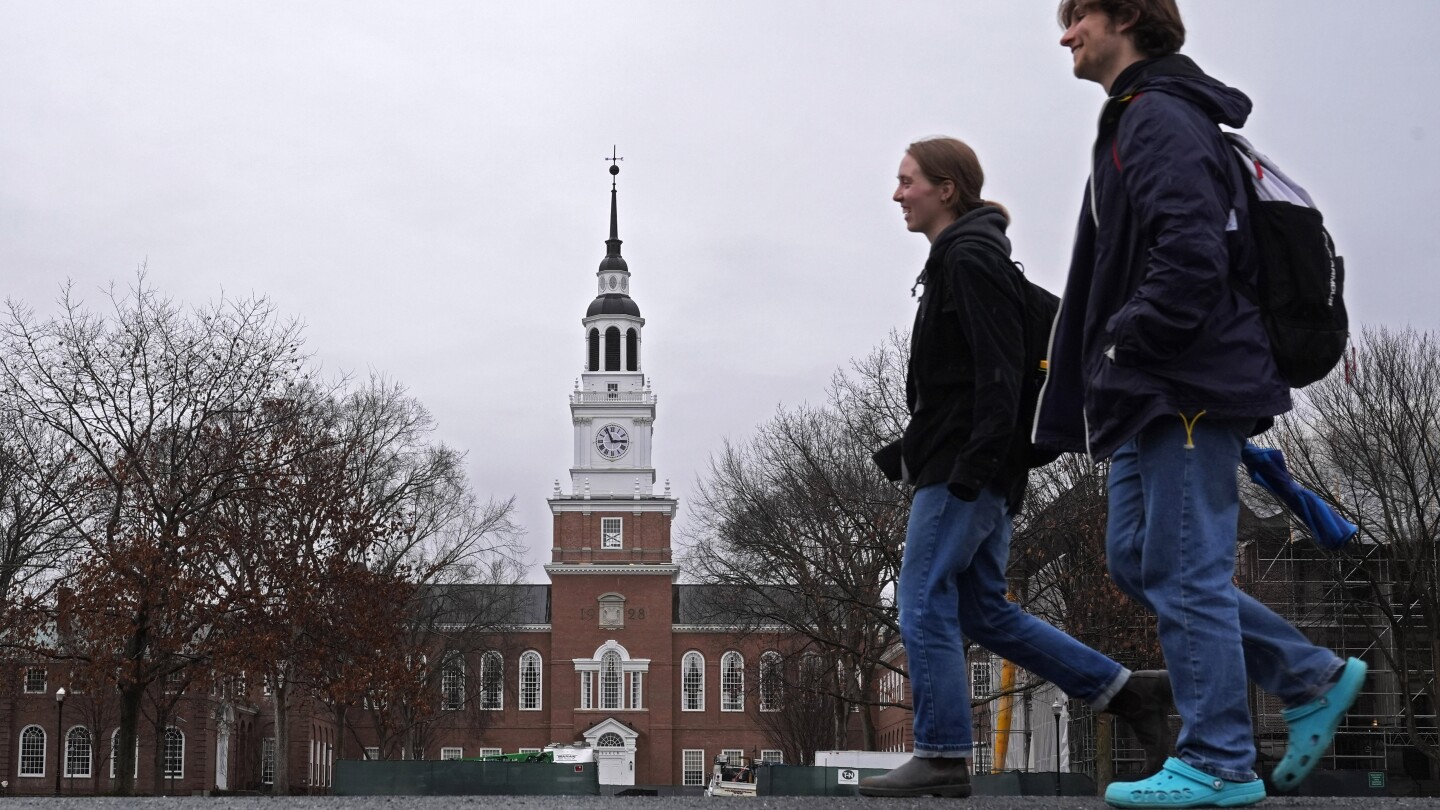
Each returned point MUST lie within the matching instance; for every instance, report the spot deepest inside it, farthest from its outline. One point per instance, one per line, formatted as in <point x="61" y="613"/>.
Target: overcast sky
<point x="423" y="183"/>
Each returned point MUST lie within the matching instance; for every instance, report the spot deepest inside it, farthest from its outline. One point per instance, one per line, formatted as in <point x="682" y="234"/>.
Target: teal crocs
<point x="1180" y="785"/>
<point x="1312" y="726"/>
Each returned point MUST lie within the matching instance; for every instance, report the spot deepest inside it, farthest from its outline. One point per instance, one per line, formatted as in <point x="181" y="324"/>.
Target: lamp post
<point x="59" y="736"/>
<point x="1056" y="708"/>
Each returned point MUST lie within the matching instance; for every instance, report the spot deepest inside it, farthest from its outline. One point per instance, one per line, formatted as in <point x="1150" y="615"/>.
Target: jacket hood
<point x="1178" y="75"/>
<point x="986" y="224"/>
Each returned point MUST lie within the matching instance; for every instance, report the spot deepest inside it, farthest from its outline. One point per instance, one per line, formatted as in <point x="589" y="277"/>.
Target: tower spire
<point x="612" y="245"/>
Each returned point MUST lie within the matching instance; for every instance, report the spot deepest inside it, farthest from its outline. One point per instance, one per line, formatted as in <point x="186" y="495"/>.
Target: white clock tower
<point x="612" y="406"/>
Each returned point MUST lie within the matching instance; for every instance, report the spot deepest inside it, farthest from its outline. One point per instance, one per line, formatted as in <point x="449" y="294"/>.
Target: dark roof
<point x="729" y="605"/>
<point x="613" y="304"/>
<point x="488" y="605"/>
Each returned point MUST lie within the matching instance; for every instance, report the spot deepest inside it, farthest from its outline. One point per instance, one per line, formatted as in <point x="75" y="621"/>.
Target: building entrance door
<point x="614" y="761"/>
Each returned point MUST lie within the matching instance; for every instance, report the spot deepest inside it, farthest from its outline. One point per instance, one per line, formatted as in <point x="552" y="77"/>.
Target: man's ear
<point x="1122" y="26"/>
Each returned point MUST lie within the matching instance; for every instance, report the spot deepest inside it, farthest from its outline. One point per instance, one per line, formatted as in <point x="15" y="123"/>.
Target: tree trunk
<point x="126" y="741"/>
<point x="279" y="696"/>
<point x="1104" y="752"/>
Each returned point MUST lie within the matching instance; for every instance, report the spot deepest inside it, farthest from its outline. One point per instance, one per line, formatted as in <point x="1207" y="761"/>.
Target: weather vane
<point x="613" y="160"/>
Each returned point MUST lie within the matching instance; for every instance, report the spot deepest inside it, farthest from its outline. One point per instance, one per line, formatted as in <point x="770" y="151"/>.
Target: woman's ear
<point x="947" y="192"/>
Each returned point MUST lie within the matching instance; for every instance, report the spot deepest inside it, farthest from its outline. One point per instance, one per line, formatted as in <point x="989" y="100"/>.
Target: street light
<point x="1057" y="707"/>
<point x="59" y="736"/>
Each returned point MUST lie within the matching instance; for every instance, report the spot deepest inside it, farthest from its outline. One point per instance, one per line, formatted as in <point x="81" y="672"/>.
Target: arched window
<point x="610" y="679"/>
<point x="174" y="753"/>
<point x="610" y="740"/>
<point x="632" y="350"/>
<point x="78" y="750"/>
<point x="692" y="683"/>
<point x="593" y="355"/>
<point x="772" y="681"/>
<point x="612" y="349"/>
<point x="452" y="682"/>
<point x="32" y="751"/>
<point x="732" y="682"/>
<point x="530" y="680"/>
<point x="492" y="680"/>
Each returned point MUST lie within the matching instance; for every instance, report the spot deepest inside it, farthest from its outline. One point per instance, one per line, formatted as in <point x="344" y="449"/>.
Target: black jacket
<point x="966" y="356"/>
<point x="1151" y="322"/>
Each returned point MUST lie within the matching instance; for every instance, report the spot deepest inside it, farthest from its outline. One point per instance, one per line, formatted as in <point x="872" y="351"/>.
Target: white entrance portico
<point x="614" y="745"/>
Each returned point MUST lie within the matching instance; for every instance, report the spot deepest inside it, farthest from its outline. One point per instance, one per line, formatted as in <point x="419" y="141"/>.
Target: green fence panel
<point x="464" y="778"/>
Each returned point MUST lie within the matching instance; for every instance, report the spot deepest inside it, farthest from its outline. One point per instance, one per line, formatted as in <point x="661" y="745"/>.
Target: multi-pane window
<point x="772" y="677"/>
<point x="78" y="751"/>
<point x="774" y="755"/>
<point x="528" y="750"/>
<point x="35" y="681"/>
<point x="980" y="683"/>
<point x="452" y="753"/>
<point x="372" y="753"/>
<point x="610" y="679"/>
<point x="692" y="764"/>
<point x="732" y="682"/>
<point x="610" y="740"/>
<point x="732" y="756"/>
<point x="611" y="532"/>
<point x="267" y="760"/>
<point x="692" y="683"/>
<point x="490" y="752"/>
<point x="530" y="676"/>
<point x="492" y="680"/>
<point x="452" y="682"/>
<point x="174" y="753"/>
<point x="32" y="751"/>
<point x="981" y="758"/>
<point x="637" y="690"/>
<point x="587" y="693"/>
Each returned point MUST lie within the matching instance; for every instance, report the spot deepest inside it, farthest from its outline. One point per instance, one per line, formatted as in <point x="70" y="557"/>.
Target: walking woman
<point x="966" y="456"/>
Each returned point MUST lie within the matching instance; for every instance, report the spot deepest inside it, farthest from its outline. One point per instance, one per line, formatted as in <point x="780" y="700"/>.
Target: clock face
<point x="611" y="441"/>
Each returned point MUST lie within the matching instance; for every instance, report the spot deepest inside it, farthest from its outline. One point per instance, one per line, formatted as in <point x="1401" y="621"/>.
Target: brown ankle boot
<point x="922" y="776"/>
<point x="1145" y="704"/>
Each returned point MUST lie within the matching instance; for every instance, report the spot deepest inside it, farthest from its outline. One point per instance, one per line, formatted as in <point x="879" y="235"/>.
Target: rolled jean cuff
<point x="947" y="752"/>
<point x="1102" y="701"/>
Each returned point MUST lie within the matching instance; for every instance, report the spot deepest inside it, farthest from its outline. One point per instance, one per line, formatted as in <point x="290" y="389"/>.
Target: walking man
<point x="1159" y="364"/>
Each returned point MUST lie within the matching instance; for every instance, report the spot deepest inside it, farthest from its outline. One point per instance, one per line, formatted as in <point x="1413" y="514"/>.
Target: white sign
<point x="849" y="776"/>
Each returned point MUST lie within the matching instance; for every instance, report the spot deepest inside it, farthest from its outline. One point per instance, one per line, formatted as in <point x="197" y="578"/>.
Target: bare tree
<point x="162" y="409"/>
<point x="1368" y="438"/>
<point x="809" y="533"/>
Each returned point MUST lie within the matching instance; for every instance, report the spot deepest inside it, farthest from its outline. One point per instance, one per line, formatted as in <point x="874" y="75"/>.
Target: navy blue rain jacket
<point x="1151" y="323"/>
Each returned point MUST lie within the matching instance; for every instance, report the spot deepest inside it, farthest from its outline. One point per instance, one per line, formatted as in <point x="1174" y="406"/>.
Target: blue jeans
<point x="1171" y="544"/>
<point x="952" y="582"/>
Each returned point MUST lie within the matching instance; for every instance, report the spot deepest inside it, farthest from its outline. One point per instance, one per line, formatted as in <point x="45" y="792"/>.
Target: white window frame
<point x="452" y="682"/>
<point x="452" y="752"/>
<point x="491" y="752"/>
<point x="492" y="681"/>
<point x="528" y="750"/>
<point x="612" y="681"/>
<point x="637" y="690"/>
<point x="692" y="694"/>
<point x="27" y="739"/>
<point x="532" y="680"/>
<point x="732" y="682"/>
<point x="772" y="755"/>
<point x="692" y="767"/>
<point x="732" y="756"/>
<point x="612" y="533"/>
<point x="29" y="680"/>
<point x="587" y="690"/>
<point x="372" y="753"/>
<point x="71" y="748"/>
<point x="171" y="768"/>
<point x="982" y="682"/>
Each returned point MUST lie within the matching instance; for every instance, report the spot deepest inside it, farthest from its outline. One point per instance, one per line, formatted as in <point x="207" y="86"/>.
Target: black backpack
<point x="1300" y="287"/>
<point x="1041" y="305"/>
